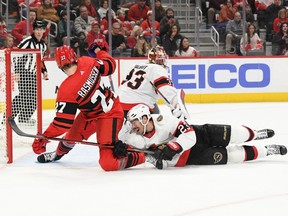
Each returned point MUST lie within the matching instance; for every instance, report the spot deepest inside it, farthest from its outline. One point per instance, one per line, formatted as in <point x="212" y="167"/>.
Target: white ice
<point x="76" y="185"/>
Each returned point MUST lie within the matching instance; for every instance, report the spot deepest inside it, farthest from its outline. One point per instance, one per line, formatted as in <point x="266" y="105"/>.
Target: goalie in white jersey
<point x="146" y="80"/>
<point x="176" y="143"/>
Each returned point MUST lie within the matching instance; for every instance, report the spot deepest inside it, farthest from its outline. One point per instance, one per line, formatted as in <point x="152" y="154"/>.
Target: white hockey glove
<point x="177" y="112"/>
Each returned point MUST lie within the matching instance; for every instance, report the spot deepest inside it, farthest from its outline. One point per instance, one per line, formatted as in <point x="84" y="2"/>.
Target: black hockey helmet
<point x="39" y="24"/>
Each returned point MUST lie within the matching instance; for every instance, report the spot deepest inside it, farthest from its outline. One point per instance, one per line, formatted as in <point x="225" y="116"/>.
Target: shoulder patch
<point x="159" y="118"/>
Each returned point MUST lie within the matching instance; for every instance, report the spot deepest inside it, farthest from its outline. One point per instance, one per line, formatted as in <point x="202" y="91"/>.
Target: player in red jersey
<point x="100" y="110"/>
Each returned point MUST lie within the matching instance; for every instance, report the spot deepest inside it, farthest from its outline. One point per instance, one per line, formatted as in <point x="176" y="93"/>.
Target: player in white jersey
<point x="176" y="143"/>
<point x="142" y="81"/>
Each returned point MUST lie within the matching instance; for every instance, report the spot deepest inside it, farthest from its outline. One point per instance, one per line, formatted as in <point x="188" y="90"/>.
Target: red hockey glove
<point x="168" y="151"/>
<point x="39" y="145"/>
<point x="93" y="47"/>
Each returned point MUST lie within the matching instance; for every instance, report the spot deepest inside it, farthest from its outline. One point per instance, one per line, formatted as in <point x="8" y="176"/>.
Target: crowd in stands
<point x="131" y="30"/>
<point x="132" y="25"/>
<point x="227" y="18"/>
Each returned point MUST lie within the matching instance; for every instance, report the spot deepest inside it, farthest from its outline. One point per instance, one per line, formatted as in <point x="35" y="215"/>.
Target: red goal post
<point x="20" y="85"/>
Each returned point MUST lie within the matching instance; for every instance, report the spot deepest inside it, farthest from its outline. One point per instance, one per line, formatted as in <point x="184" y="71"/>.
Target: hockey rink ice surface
<point x="76" y="185"/>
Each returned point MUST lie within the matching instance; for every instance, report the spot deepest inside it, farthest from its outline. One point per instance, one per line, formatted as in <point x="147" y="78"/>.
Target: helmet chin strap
<point x="145" y="125"/>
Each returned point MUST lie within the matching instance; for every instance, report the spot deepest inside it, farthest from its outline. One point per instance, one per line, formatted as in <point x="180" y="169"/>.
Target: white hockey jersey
<point x="136" y="88"/>
<point x="167" y="128"/>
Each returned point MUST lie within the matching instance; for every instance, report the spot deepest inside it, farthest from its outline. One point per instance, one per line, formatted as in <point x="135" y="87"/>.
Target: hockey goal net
<point x="20" y="97"/>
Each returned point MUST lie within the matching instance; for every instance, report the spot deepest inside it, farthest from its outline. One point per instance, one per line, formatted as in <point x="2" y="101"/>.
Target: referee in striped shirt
<point x="24" y="104"/>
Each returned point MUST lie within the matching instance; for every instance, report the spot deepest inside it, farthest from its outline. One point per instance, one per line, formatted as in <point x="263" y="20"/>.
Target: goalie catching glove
<point x="93" y="47"/>
<point x="39" y="145"/>
<point x="167" y="151"/>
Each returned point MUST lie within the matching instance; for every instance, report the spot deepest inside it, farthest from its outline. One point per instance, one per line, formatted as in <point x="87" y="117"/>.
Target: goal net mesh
<point x="20" y="97"/>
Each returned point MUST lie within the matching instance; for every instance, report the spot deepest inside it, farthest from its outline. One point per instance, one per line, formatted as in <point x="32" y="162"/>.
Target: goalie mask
<point x="137" y="112"/>
<point x="158" y="55"/>
<point x="65" y="55"/>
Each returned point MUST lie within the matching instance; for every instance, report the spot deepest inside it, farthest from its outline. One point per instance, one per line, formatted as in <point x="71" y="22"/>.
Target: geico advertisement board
<point x="206" y="79"/>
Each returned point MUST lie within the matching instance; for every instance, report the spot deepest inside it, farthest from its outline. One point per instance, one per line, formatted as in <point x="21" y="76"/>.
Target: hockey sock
<point x="63" y="148"/>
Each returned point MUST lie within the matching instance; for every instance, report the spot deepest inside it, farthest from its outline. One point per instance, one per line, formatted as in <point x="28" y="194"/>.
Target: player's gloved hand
<point x="93" y="47"/>
<point x="120" y="149"/>
<point x="39" y="145"/>
<point x="168" y="151"/>
<point x="177" y="112"/>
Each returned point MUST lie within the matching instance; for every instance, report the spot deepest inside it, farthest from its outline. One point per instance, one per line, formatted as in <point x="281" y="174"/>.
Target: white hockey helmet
<point x="137" y="112"/>
<point x="158" y="55"/>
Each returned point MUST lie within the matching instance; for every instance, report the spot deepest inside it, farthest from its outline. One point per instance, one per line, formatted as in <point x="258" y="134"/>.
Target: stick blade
<point x="16" y="129"/>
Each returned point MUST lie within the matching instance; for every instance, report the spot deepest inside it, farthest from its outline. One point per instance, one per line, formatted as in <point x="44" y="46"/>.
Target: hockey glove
<point x="120" y="149"/>
<point x="177" y="112"/>
<point x="93" y="47"/>
<point x="39" y="145"/>
<point x="168" y="151"/>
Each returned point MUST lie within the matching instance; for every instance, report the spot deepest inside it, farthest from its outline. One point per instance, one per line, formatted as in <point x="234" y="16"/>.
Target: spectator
<point x="33" y="5"/>
<point x="104" y="6"/>
<point x="141" y="48"/>
<point x="135" y="34"/>
<point x="271" y="13"/>
<point x="47" y="11"/>
<point x="126" y="29"/>
<point x="92" y="12"/>
<point x="118" y="40"/>
<point x="159" y="11"/>
<point x="185" y="50"/>
<point x="95" y="36"/>
<point x="280" y="41"/>
<point x="19" y="32"/>
<point x="62" y="29"/>
<point x="234" y="31"/>
<point x="104" y="22"/>
<point x="62" y="6"/>
<point x="138" y="12"/>
<point x="121" y="15"/>
<point x="214" y="8"/>
<point x="167" y="22"/>
<point x="82" y="23"/>
<point x="250" y="16"/>
<point x="146" y="26"/>
<point x="279" y="20"/>
<point x="3" y="29"/>
<point x="126" y="3"/>
<point x="238" y="5"/>
<point x="252" y="40"/>
<point x="261" y="6"/>
<point x="227" y="13"/>
<point x="8" y="42"/>
<point x="172" y="40"/>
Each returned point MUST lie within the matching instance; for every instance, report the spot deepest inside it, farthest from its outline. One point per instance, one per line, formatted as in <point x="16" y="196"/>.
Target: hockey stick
<point x="180" y="96"/>
<point x="160" y="93"/>
<point x="18" y="131"/>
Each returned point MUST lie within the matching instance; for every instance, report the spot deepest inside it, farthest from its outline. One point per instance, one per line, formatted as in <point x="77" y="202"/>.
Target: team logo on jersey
<point x="160" y="118"/>
<point x="217" y="157"/>
<point x="82" y="72"/>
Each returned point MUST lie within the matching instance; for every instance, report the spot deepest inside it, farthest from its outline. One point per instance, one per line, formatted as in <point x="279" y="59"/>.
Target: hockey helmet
<point x="158" y="55"/>
<point x="38" y="24"/>
<point x="65" y="55"/>
<point x="137" y="112"/>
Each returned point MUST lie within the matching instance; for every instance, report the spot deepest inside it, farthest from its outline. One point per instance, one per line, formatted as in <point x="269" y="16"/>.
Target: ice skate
<point x="264" y="134"/>
<point x="48" y="157"/>
<point x="276" y="150"/>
